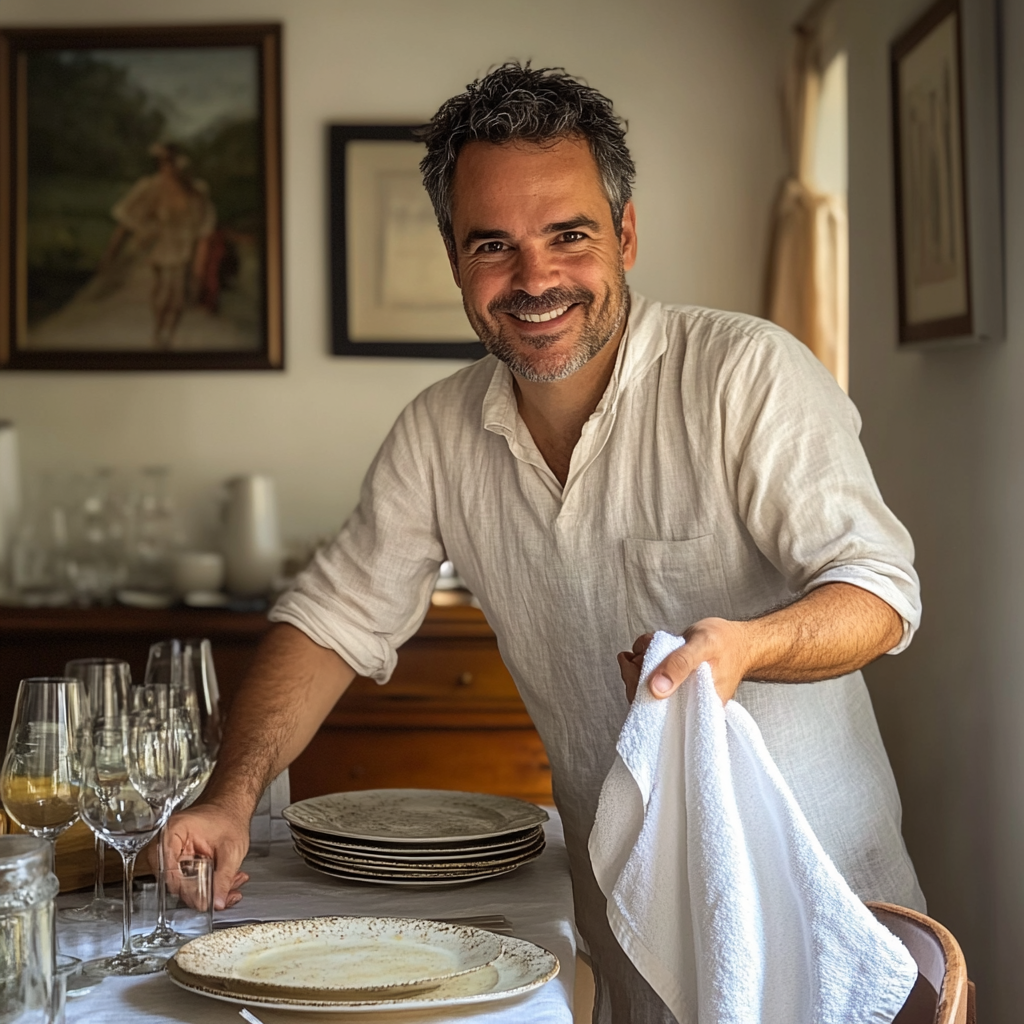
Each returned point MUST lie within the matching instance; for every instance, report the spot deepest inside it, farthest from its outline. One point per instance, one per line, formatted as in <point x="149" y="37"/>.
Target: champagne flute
<point x="124" y="796"/>
<point x="39" y="780"/>
<point x="106" y="682"/>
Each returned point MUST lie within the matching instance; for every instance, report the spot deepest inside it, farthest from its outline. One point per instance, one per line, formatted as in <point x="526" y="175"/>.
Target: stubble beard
<point x="524" y="355"/>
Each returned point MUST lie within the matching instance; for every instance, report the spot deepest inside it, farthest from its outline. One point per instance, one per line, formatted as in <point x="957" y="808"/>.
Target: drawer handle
<point x="465" y="679"/>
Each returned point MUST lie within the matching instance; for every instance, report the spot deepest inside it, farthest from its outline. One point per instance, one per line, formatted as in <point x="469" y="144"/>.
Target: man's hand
<point x="208" y="830"/>
<point x="716" y="641"/>
<point x="835" y="629"/>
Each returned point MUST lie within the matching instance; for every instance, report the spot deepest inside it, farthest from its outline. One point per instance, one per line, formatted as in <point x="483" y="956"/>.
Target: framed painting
<point x="947" y="175"/>
<point x="140" y="198"/>
<point x="392" y="292"/>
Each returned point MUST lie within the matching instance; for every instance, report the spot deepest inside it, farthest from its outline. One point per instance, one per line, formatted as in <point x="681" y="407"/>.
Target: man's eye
<point x="573" y="236"/>
<point x="492" y="247"/>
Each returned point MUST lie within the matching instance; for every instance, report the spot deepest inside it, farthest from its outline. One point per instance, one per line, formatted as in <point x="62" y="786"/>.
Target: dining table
<point x="536" y="899"/>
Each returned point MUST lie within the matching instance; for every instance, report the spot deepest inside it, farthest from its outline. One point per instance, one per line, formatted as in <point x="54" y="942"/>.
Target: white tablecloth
<point x="537" y="900"/>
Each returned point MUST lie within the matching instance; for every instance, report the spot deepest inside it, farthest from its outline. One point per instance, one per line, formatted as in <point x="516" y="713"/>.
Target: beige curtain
<point x="809" y="278"/>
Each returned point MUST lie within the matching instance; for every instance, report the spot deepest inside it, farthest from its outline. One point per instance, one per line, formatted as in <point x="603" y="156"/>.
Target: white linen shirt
<point x="720" y="475"/>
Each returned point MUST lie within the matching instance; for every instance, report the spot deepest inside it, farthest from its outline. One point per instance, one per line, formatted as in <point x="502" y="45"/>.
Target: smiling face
<point x="541" y="268"/>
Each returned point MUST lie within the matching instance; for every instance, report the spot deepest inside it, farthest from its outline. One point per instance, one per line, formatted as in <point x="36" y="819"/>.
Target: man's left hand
<point x="719" y="642"/>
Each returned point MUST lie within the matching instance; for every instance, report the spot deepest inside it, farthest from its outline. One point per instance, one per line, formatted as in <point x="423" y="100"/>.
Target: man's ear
<point x="453" y="262"/>
<point x="627" y="238"/>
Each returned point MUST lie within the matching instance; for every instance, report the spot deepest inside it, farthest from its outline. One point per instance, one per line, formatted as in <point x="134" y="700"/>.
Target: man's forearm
<point x="836" y="629"/>
<point x="289" y="691"/>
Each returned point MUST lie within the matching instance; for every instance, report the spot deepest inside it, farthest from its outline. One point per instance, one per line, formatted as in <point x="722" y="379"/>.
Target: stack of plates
<point x="416" y="837"/>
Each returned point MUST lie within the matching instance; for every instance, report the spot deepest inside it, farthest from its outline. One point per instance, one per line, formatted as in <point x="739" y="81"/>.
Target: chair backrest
<point x="939" y="962"/>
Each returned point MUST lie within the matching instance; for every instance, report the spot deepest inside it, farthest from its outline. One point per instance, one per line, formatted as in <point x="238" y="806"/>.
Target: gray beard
<point x="598" y="329"/>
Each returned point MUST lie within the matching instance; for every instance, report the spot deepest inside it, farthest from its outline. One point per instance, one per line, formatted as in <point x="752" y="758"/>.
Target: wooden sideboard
<point x="450" y="718"/>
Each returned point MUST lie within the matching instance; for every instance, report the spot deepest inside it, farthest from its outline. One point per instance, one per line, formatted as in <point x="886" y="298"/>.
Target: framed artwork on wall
<point x="392" y="292"/>
<point x="140" y="198"/>
<point x="947" y="175"/>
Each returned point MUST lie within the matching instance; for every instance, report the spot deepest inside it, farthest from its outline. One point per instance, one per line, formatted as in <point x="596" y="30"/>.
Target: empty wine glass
<point x="106" y="682"/>
<point x="39" y="780"/>
<point x="124" y="796"/>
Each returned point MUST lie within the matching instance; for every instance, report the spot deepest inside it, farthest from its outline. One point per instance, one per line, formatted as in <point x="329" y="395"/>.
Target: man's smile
<point x="540" y="318"/>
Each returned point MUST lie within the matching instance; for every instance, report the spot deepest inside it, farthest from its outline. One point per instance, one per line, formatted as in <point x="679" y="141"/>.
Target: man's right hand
<point x="211" y="830"/>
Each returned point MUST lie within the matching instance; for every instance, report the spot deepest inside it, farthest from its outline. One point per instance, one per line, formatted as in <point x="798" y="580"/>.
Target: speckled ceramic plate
<point x="414" y="815"/>
<point x="331" y="958"/>
<point x="480" y="848"/>
<point x="420" y="865"/>
<point x="521" y="968"/>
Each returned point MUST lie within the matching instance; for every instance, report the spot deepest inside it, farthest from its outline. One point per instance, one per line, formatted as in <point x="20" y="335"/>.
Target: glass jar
<point x="27" y="890"/>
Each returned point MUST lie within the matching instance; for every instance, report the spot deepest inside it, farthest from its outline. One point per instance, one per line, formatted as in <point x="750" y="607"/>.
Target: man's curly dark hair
<point x="515" y="102"/>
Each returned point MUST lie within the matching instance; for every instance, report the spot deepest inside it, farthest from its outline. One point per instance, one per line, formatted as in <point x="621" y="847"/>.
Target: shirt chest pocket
<point x="671" y="584"/>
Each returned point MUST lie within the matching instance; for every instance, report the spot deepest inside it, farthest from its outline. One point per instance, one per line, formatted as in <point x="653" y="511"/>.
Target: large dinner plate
<point x="331" y="958"/>
<point x="480" y="849"/>
<point x="520" y="968"/>
<point x="414" y="815"/>
<point x="415" y="864"/>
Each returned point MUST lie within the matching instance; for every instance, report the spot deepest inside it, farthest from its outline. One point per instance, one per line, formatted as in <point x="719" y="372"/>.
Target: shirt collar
<point x="643" y="343"/>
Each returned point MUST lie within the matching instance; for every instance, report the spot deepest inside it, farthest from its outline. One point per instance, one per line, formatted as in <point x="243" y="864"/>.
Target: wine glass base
<point x="94" y="910"/>
<point x="124" y="965"/>
<point x="160" y="940"/>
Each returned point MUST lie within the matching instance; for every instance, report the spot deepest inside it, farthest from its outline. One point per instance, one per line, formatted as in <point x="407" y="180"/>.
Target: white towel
<point x="718" y="890"/>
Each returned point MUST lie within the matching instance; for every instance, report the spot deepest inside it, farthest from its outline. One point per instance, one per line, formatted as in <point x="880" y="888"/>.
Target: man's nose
<point x="535" y="271"/>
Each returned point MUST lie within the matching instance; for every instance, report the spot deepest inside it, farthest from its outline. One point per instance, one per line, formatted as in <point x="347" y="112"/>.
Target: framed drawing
<point x="947" y="175"/>
<point x="140" y="198"/>
<point x="392" y="292"/>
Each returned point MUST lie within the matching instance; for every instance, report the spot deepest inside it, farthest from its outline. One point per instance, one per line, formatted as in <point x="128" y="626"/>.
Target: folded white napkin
<point x="718" y="890"/>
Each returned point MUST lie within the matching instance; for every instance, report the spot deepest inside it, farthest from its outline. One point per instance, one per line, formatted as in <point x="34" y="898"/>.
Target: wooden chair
<point x="942" y="995"/>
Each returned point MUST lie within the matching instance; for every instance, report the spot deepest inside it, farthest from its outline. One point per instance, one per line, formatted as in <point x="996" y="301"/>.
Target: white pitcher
<point x="252" y="540"/>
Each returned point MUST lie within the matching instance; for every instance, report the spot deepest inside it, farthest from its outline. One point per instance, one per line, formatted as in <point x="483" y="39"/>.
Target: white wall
<point x="944" y="432"/>
<point x="696" y="80"/>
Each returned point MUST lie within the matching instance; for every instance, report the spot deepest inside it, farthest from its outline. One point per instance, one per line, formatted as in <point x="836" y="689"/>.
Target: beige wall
<point x="696" y="80"/>
<point x="944" y="431"/>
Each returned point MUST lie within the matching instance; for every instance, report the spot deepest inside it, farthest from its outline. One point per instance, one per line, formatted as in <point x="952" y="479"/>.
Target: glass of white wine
<point x="41" y="771"/>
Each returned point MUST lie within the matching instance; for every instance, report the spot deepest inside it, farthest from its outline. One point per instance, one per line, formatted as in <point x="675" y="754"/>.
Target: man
<point x="615" y="466"/>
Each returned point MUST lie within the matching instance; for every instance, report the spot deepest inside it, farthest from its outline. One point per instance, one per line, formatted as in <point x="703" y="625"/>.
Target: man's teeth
<point x="539" y="318"/>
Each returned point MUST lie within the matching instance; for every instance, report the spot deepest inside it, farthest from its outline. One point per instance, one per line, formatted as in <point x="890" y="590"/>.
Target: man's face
<point x="540" y="266"/>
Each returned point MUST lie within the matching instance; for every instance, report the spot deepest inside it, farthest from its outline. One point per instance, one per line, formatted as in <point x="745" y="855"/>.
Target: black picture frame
<point x="947" y="163"/>
<point x="345" y="340"/>
<point x="257" y="246"/>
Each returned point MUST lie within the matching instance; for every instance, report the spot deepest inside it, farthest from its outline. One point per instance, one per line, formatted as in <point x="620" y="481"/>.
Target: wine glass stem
<point x="161" y="885"/>
<point x="98" y="892"/>
<point x="129" y="877"/>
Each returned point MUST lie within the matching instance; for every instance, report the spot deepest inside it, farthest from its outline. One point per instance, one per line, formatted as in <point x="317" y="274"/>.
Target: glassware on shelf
<point x="124" y="797"/>
<point x="153" y="533"/>
<point x="106" y="682"/>
<point x="41" y="772"/>
<point x="97" y="564"/>
<point x="39" y="554"/>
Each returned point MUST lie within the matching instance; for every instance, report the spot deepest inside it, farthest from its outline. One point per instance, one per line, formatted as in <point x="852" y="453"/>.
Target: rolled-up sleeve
<point x="802" y="481"/>
<point x="368" y="592"/>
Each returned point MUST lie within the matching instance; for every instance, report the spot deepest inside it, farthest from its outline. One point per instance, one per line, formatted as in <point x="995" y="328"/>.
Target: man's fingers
<point x="224" y="893"/>
<point x="630" y="673"/>
<point x="670" y="674"/>
<point x="641" y="643"/>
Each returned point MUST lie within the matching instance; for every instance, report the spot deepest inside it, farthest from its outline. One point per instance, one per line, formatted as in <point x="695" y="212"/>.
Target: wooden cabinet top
<point x="457" y="621"/>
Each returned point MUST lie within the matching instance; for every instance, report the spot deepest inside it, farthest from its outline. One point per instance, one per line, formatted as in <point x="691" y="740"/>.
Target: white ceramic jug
<point x="252" y="541"/>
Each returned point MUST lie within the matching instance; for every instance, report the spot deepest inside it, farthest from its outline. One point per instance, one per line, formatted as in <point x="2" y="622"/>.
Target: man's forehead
<point x="489" y="174"/>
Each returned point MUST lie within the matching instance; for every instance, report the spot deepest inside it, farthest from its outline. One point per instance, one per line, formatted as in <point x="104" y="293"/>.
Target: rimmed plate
<point x="410" y="851"/>
<point x="331" y="958"/>
<point x="521" y="967"/>
<point x="427" y="863"/>
<point x="414" y="815"/>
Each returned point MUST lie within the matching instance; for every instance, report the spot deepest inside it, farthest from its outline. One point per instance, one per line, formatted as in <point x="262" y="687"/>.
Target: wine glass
<point x="181" y="673"/>
<point x="106" y="682"/>
<point x="125" y="797"/>
<point x="39" y="780"/>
